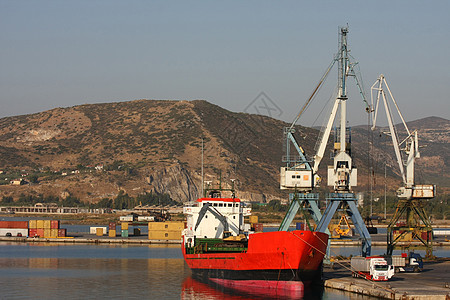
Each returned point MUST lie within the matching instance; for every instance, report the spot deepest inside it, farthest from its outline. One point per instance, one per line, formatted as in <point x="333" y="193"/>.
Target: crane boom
<point x="299" y="176"/>
<point x="410" y="194"/>
<point x="409" y="145"/>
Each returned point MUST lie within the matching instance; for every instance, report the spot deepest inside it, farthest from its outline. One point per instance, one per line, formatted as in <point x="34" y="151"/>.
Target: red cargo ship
<point x="218" y="246"/>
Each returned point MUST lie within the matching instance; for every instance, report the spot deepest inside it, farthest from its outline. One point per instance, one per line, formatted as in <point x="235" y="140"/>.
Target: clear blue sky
<point x="66" y="53"/>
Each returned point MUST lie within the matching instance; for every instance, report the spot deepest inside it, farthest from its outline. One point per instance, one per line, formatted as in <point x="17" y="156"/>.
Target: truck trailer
<point x="411" y="262"/>
<point x="372" y="268"/>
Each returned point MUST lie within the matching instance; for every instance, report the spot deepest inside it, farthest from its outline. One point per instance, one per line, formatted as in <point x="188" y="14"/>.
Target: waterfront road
<point x="432" y="283"/>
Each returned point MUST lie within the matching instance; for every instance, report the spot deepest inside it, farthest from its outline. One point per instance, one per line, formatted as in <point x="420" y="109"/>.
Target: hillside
<point x="95" y="151"/>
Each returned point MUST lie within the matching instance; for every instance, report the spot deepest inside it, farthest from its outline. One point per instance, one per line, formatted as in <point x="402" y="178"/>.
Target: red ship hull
<point x="270" y="256"/>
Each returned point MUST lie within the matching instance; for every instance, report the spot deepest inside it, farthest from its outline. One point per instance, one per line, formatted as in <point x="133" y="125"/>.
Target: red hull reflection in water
<point x="194" y="289"/>
<point x="267" y="288"/>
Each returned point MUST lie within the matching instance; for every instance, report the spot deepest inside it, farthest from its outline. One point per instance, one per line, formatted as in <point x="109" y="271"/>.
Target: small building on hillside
<point x="18" y="182"/>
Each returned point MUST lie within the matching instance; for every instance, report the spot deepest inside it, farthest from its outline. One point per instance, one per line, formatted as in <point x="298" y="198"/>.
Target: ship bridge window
<point x="220" y="204"/>
<point x="230" y="205"/>
<point x="215" y="204"/>
<point x="298" y="176"/>
<point x="293" y="176"/>
<point x="236" y="204"/>
<point x="342" y="164"/>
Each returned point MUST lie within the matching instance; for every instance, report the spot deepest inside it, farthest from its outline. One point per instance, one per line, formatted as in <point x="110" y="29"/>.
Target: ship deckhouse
<point x="218" y="215"/>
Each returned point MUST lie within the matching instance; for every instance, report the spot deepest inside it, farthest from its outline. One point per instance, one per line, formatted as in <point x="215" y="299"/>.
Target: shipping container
<point x="425" y="235"/>
<point x="112" y="233"/>
<point x="54" y="224"/>
<point x="99" y="231"/>
<point x="259" y="227"/>
<point x="40" y="232"/>
<point x="396" y="260"/>
<point x="47" y="224"/>
<point x="360" y="263"/>
<point x="300" y="226"/>
<point x="62" y="232"/>
<point x="47" y="233"/>
<point x="253" y="219"/>
<point x="32" y="224"/>
<point x="124" y="226"/>
<point x="136" y="231"/>
<point x="14" y="224"/>
<point x="54" y="233"/>
<point x="164" y="235"/>
<point x="32" y="232"/>
<point x="112" y="226"/>
<point x="166" y="226"/>
<point x="40" y="224"/>
<point x="93" y="230"/>
<point x="124" y="232"/>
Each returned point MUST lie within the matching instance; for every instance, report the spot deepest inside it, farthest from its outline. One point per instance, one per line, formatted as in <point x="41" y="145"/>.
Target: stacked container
<point x="46" y="229"/>
<point x="15" y="228"/>
<point x="99" y="231"/>
<point x="62" y="232"/>
<point x="165" y="230"/>
<point x="124" y="226"/>
<point x="112" y="229"/>
<point x="96" y="231"/>
<point x="259" y="227"/>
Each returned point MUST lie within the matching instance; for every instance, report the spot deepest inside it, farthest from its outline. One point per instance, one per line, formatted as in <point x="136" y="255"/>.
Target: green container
<point x="125" y="233"/>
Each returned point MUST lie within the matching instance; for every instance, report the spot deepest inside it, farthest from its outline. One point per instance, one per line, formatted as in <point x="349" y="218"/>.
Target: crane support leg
<point x="297" y="201"/>
<point x="416" y="226"/>
<point x="361" y="228"/>
<point x="290" y="215"/>
<point x="327" y="216"/>
<point x="350" y="200"/>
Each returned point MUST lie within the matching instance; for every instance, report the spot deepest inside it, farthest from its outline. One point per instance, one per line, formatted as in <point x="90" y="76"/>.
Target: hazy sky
<point x="66" y="53"/>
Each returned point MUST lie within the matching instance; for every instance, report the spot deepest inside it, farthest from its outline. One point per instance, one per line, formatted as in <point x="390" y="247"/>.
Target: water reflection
<point x="194" y="288"/>
<point x="74" y="278"/>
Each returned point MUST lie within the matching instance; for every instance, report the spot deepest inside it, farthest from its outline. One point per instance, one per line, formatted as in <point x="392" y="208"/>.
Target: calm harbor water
<point x="87" y="271"/>
<point x="55" y="271"/>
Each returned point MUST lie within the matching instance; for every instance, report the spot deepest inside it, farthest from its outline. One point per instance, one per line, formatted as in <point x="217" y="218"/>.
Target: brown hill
<point x="94" y="151"/>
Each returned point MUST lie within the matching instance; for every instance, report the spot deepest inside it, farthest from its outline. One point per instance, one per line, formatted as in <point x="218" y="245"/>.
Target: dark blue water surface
<point x="55" y="271"/>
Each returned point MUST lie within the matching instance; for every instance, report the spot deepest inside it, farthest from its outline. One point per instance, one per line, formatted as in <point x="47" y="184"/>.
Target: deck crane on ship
<point x="300" y="175"/>
<point x="411" y="196"/>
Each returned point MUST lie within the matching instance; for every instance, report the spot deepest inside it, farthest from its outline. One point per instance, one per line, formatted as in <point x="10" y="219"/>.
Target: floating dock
<point x="432" y="283"/>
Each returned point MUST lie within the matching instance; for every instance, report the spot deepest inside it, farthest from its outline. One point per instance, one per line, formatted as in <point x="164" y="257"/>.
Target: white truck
<point x="411" y="262"/>
<point x="372" y="268"/>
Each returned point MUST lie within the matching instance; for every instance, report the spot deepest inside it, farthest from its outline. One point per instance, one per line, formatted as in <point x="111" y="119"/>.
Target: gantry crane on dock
<point x="300" y="176"/>
<point x="411" y="197"/>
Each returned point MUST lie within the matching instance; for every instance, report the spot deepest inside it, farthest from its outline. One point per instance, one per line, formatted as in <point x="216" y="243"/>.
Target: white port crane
<point x="300" y="175"/>
<point x="409" y="194"/>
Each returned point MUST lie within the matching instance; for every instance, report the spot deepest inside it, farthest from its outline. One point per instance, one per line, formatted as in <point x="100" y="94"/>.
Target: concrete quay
<point x="432" y="283"/>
